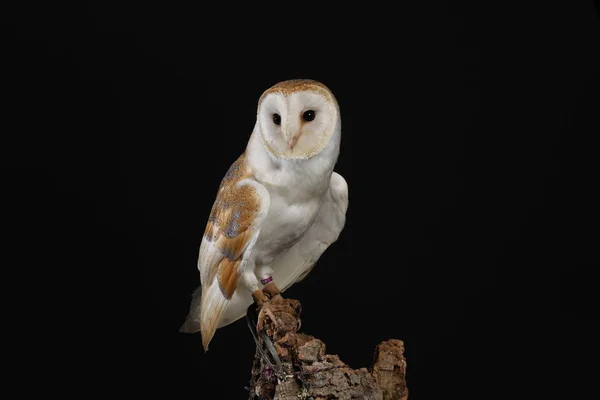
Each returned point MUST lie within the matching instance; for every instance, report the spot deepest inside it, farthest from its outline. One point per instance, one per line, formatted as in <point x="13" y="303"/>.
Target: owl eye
<point x="277" y="119"/>
<point x="308" y="115"/>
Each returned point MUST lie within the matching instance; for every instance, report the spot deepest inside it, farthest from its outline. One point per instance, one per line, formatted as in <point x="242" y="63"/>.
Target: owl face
<point x="297" y="118"/>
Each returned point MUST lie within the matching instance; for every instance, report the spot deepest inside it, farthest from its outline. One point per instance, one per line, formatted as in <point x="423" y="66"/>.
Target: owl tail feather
<point x="206" y="310"/>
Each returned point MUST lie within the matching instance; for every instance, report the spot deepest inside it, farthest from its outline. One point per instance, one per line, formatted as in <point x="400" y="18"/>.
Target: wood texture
<point x="312" y="374"/>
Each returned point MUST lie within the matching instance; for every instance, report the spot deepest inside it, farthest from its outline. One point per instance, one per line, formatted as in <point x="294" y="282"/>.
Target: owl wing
<point x="297" y="262"/>
<point x="231" y="232"/>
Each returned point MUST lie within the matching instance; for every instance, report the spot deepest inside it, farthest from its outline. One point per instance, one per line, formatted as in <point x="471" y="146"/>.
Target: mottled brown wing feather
<point x="231" y="227"/>
<point x="228" y="277"/>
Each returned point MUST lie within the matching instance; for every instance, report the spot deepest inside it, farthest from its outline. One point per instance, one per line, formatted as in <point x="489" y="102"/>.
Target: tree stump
<point x="307" y="372"/>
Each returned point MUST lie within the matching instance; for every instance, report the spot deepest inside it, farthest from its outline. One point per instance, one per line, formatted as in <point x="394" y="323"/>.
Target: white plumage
<point x="278" y="208"/>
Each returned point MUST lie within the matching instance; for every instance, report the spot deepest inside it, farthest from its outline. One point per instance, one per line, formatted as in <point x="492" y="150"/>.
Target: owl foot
<point x="259" y="297"/>
<point x="271" y="290"/>
<point x="266" y="312"/>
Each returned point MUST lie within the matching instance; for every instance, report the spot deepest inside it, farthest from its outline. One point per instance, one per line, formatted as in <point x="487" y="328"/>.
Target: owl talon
<point x="259" y="297"/>
<point x="251" y="320"/>
<point x="271" y="290"/>
<point x="266" y="312"/>
<point x="259" y="323"/>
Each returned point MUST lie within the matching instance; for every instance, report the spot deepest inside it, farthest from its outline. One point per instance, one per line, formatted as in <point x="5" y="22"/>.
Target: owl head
<point x="297" y="118"/>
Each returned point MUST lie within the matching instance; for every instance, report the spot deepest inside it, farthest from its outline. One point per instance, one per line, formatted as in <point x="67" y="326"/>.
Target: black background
<point x="472" y="230"/>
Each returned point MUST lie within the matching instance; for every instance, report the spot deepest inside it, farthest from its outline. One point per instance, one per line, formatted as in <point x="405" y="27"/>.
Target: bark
<point x="308" y="372"/>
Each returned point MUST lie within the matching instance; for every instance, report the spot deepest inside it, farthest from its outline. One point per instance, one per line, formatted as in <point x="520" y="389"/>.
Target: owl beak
<point x="294" y="140"/>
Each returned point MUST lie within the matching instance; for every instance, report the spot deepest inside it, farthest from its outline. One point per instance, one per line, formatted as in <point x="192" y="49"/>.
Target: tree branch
<point x="305" y="371"/>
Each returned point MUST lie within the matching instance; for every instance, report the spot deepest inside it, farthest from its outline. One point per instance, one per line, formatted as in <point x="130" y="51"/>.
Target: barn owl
<point x="278" y="208"/>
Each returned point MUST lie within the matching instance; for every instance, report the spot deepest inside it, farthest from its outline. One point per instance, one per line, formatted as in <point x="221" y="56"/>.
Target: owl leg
<point x="266" y="278"/>
<point x="259" y="297"/>
<point x="270" y="288"/>
<point x="251" y="283"/>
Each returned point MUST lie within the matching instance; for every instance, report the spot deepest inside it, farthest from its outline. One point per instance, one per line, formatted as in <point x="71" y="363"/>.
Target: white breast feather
<point x="297" y="262"/>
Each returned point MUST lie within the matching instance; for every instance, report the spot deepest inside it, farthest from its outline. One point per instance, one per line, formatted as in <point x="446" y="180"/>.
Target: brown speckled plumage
<point x="229" y="225"/>
<point x="297" y="85"/>
<point x="228" y="277"/>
